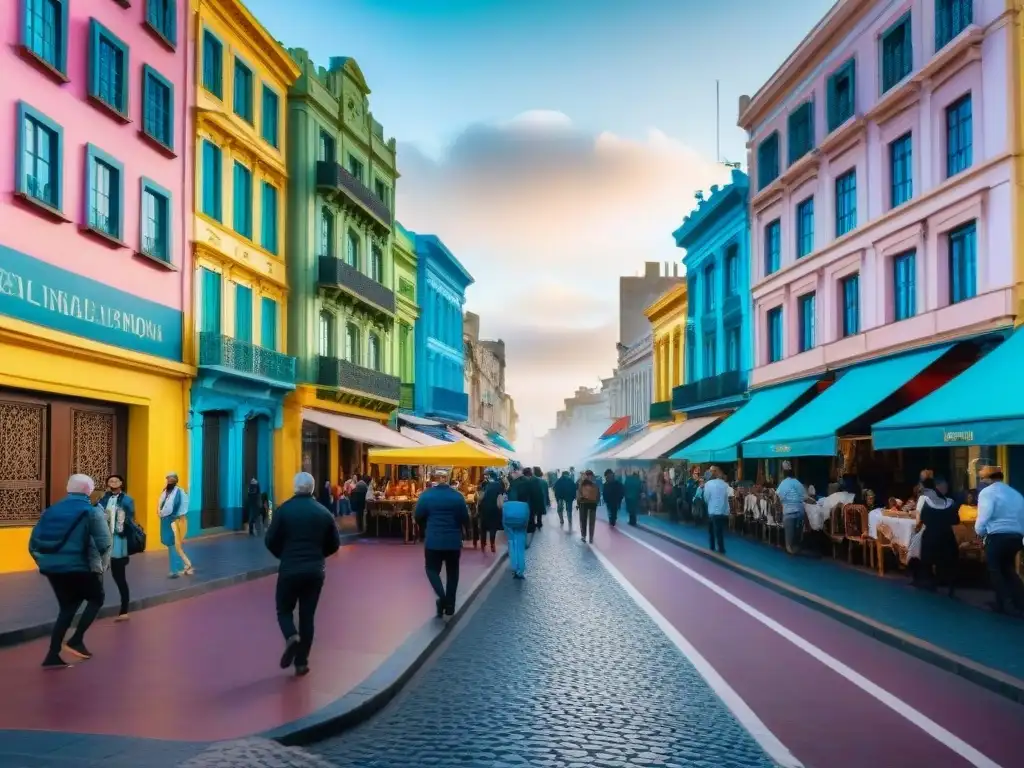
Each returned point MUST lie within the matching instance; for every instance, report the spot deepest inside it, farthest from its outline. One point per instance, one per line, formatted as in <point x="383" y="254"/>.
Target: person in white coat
<point x="173" y="510"/>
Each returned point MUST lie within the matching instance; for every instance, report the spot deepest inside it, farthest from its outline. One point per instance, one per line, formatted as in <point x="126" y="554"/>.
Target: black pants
<point x="481" y="534"/>
<point x="1000" y="555"/>
<point x="716" y="532"/>
<point x="631" y="509"/>
<point x="588" y="518"/>
<point x="613" y="512"/>
<point x="71" y="590"/>
<point x="302" y="589"/>
<point x="449" y="558"/>
<point x="117" y="570"/>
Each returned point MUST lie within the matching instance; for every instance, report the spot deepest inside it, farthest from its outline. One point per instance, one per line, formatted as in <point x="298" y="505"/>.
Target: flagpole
<point x="718" y="124"/>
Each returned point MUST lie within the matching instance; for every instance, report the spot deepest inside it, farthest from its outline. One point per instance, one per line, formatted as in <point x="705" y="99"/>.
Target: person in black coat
<point x="614" y="493"/>
<point x="358" y="500"/>
<point x="489" y="513"/>
<point x="940" y="552"/>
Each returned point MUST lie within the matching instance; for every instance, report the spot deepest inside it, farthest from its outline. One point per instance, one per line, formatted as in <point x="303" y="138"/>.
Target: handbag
<point x="136" y="536"/>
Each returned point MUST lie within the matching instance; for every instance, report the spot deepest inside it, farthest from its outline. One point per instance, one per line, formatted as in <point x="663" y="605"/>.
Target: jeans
<point x="117" y="571"/>
<point x="716" y="532"/>
<point x="793" y="527"/>
<point x="588" y="516"/>
<point x="566" y="506"/>
<point x="516" y="549"/>
<point x="71" y="590"/>
<point x="303" y="589"/>
<point x="257" y="522"/>
<point x="449" y="558"/>
<point x="178" y="559"/>
<point x="632" y="505"/>
<point x="1000" y="555"/>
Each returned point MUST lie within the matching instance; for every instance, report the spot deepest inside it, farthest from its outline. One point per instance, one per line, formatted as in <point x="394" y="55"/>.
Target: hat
<point x="987" y="471"/>
<point x="787" y="465"/>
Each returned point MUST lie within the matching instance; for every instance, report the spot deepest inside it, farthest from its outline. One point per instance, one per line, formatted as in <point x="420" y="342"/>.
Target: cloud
<point x="547" y="217"/>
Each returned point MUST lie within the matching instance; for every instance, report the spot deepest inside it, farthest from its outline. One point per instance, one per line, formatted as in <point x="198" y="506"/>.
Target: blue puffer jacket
<point x="442" y="512"/>
<point x="71" y="536"/>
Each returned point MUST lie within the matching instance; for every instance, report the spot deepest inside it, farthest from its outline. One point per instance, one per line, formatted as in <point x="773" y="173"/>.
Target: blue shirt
<point x="792" y="493"/>
<point x="1000" y="510"/>
<point x="716" y="496"/>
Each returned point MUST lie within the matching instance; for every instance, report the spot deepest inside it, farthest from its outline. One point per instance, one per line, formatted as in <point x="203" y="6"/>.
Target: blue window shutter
<point x="269" y="116"/>
<point x="242" y="197"/>
<point x="44" y="31"/>
<point x="212" y="180"/>
<point x="243" y="313"/>
<point x="268" y="217"/>
<point x="268" y="324"/>
<point x="213" y="64"/>
<point x="211" y="313"/>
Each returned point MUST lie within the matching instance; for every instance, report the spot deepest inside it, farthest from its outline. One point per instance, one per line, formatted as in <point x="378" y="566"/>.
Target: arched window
<point x="377" y="264"/>
<point x="373" y="352"/>
<point x="352" y="248"/>
<point x="352" y="343"/>
<point x="325" y="347"/>
<point x="326" y="232"/>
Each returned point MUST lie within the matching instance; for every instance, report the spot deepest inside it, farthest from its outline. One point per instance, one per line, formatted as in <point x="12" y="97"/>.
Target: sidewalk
<point x="205" y="669"/>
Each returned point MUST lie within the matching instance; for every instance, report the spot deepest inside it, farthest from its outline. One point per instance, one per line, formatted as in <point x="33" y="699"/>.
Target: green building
<point x="404" y="251"/>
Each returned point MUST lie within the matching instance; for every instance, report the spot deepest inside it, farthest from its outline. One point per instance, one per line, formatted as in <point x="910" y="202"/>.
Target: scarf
<point x="115" y="515"/>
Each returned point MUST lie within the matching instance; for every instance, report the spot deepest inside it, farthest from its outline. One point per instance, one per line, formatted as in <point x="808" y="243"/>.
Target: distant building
<point x="489" y="404"/>
<point x="577" y="428"/>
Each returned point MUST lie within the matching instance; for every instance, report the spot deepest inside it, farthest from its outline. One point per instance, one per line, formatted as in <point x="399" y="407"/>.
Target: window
<point x="210" y="308"/>
<point x="709" y="288"/>
<point x="373" y="352"/>
<point x="901" y="175"/>
<point x="352" y="343"/>
<point x="212" y="180"/>
<point x="951" y="18"/>
<point x="325" y="150"/>
<point x="269" y="116"/>
<point x="963" y="263"/>
<point x="774" y="334"/>
<point x="326" y="232"/>
<point x="156" y="221"/>
<point x="377" y="264"/>
<point x="805" y="228"/>
<point x="40" y="159"/>
<point x="268" y="217"/>
<point x="242" y="201"/>
<point x="904" y="285"/>
<point x="161" y="17"/>
<point x="732" y="270"/>
<point x="158" y="107"/>
<point x="842" y="94"/>
<point x="325" y="337"/>
<point x="708" y="356"/>
<point x="381" y="190"/>
<point x="772" y="247"/>
<point x="805" y="305"/>
<point x="108" y="68"/>
<point x="897" y="53"/>
<point x="243" y="91"/>
<point x="104" y="193"/>
<point x="801" y="131"/>
<point x="850" y="288"/>
<point x="768" y="161"/>
<point x="352" y="249"/>
<point x="732" y="348"/>
<point x="846" y="203"/>
<point x="243" y="313"/>
<point x="959" y="139"/>
<point x="355" y="167"/>
<point x="213" y="64"/>
<point x="45" y="32"/>
<point x="268" y="323"/>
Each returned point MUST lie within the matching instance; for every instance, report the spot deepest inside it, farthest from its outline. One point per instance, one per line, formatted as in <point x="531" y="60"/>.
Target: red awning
<point x="619" y="426"/>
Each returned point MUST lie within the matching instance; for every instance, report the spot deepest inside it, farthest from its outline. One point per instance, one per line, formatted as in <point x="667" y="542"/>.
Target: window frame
<point x="234" y="199"/>
<point x="374" y="349"/>
<point x="148" y="74"/>
<point x="326" y="343"/>
<point x="834" y="118"/>
<point x="946" y="33"/>
<point x="775" y="225"/>
<point x="26" y="111"/>
<point x="850" y="315"/>
<point x="796" y="119"/>
<point x="852" y="213"/>
<point x="967" y="149"/>
<point x="352" y="158"/>
<point x="352" y="237"/>
<point x="807" y="338"/>
<point x="895" y="201"/>
<point x="167" y="33"/>
<point x="147" y="185"/>
<point x="59" y="68"/>
<point x="219" y="92"/>
<point x="239" y="62"/>
<point x="265" y="244"/>
<point x="910" y="283"/>
<point x="804" y="236"/>
<point x="766" y="161"/>
<point x="958" y="235"/>
<point x="97" y="33"/>
<point x="772" y="316"/>
<point x="266" y="90"/>
<point x="732" y="332"/>
<point x="709" y="293"/>
<point x="325" y="139"/>
<point x="731" y="270"/>
<point x="204" y="283"/>
<point x="903" y="25"/>
<point x="352" y="353"/>
<point x="244" y="290"/>
<point x="266" y="301"/>
<point x="376" y="263"/>
<point x="327" y="217"/>
<point x="218" y="187"/>
<point x="94" y="154"/>
<point x="709" y="354"/>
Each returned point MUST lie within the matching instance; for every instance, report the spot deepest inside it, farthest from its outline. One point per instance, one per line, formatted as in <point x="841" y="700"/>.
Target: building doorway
<point x="316" y="452"/>
<point x="211" y="508"/>
<point x="250" y="461"/>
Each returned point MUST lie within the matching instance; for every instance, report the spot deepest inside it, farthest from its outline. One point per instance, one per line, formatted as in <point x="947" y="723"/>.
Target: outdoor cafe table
<point x="389" y="510"/>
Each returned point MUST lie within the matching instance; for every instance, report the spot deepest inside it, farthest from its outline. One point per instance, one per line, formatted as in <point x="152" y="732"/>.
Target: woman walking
<point x="939" y="548"/>
<point x="254" y="509"/>
<point x="516" y="517"/>
<point x="490" y="511"/>
<point x="173" y="510"/>
<point x="119" y="509"/>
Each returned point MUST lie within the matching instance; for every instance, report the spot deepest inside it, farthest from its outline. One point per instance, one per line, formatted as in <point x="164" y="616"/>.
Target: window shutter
<point x="243" y="313"/>
<point x="268" y="324"/>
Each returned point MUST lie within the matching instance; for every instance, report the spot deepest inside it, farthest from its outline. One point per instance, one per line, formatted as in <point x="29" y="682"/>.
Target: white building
<point x="578" y="427"/>
<point x="634" y="381"/>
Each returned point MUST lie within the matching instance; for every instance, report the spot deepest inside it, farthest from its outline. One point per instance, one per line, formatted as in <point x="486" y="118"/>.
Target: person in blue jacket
<point x="119" y="508"/>
<point x="565" y="495"/>
<point x="516" y="517"/>
<point x="442" y="513"/>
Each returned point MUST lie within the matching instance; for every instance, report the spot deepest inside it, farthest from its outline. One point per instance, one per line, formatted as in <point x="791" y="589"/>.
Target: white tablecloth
<point x="818" y="514"/>
<point x="902" y="527"/>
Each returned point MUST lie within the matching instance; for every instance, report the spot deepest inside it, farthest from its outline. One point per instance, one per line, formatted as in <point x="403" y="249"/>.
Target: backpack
<point x="588" y="492"/>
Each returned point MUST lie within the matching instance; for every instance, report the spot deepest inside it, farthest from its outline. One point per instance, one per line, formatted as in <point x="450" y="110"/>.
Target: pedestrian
<point x="716" y="497"/>
<point x="119" y="509"/>
<point x="587" y="498"/>
<point x="254" y="509"/>
<point x="544" y="494"/>
<point x="633" y="490"/>
<point x="690" y="494"/>
<point x="327" y="498"/>
<point x="939" y="548"/>
<point x="792" y="494"/>
<point x="515" y="510"/>
<point x="1000" y="524"/>
<point x="173" y="509"/>
<point x="358" y="500"/>
<point x="441" y="513"/>
<point x="565" y="494"/>
<point x="489" y="510"/>
<point x="70" y="544"/>
<point x="302" y="535"/>
<point x="522" y="488"/>
<point x="614" y="492"/>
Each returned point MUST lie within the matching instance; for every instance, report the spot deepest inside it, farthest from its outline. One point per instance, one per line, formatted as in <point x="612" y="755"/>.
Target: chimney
<point x="675" y="270"/>
<point x="744" y="104"/>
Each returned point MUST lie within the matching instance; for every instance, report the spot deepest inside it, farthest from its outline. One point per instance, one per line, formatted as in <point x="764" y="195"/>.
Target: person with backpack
<point x="587" y="498"/>
<point x="119" y="508"/>
<point x="71" y="546"/>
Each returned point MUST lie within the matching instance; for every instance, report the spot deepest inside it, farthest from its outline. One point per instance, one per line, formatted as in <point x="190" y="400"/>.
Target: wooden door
<point x="211" y="512"/>
<point x="24" y="454"/>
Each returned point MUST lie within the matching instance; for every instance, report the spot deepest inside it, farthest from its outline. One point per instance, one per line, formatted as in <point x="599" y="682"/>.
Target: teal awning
<point x="501" y="442"/>
<point x="723" y="442"/>
<point x="984" y="405"/>
<point x="812" y="431"/>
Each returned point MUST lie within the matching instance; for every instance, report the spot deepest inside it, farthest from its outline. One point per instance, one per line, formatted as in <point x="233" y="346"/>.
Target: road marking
<point x="900" y="707"/>
<point x="768" y="741"/>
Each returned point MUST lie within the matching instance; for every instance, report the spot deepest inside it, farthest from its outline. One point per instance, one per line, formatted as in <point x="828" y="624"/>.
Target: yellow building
<point x="240" y="289"/>
<point x="667" y="316"/>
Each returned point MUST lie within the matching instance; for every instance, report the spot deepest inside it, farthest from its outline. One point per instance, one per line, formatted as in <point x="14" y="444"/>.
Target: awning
<point x="984" y="405"/>
<point x="661" y="441"/>
<point x="420" y="438"/>
<point x="619" y="426"/>
<point x="604" y="446"/>
<point x="620" y="443"/>
<point x="500" y="441"/>
<point x="812" y="431"/>
<point x="723" y="442"/>
<point x="363" y="430"/>
<point x="461" y="454"/>
<point x="408" y="418"/>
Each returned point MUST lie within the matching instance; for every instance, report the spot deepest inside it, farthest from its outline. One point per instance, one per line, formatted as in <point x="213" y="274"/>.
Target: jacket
<point x="302" y="535"/>
<point x="614" y="493"/>
<point x="565" y="488"/>
<point x="442" y="512"/>
<point x="126" y="504"/>
<point x="597" y="492"/>
<point x="633" y="488"/>
<point x="71" y="536"/>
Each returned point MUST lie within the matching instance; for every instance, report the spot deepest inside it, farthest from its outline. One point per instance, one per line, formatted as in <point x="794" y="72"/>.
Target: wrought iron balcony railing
<point x="694" y="394"/>
<point x="449" y="402"/>
<point x="335" y="273"/>
<point x="224" y="352"/>
<point x="334" y="177"/>
<point x="343" y="374"/>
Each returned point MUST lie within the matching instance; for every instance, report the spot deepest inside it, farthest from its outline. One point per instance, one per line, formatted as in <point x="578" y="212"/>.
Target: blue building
<point x="439" y="391"/>
<point x="719" y="349"/>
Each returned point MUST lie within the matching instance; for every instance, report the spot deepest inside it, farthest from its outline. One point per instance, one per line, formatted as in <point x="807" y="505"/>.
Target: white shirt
<point x="166" y="505"/>
<point x="1000" y="510"/>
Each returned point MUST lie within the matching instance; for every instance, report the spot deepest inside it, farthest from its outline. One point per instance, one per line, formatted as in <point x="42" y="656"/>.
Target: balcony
<point x="336" y="274"/>
<point x="241" y="357"/>
<point x="362" y="382"/>
<point x="333" y="179"/>
<point x="661" y="411"/>
<point x="448" y="403"/>
<point x="407" y="397"/>
<point x="697" y="393"/>
<point x="733" y="306"/>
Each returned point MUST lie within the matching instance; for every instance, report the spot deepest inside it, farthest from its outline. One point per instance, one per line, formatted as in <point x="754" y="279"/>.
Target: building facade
<point x="667" y="316"/>
<point x="881" y="165"/>
<point x="509" y="419"/>
<point x="236" y="434"/>
<point x="578" y="426"/>
<point x="635" y="375"/>
<point x="636" y="292"/>
<point x="408" y="313"/>
<point x="716" y="236"/>
<point x="439" y="392"/>
<point x="490" y="407"/>
<point x="94" y="265"/>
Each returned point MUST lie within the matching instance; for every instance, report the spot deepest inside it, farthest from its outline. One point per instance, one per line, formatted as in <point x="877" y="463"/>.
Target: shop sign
<point x="40" y="293"/>
<point x="781" y="449"/>
<point x="958" y="436"/>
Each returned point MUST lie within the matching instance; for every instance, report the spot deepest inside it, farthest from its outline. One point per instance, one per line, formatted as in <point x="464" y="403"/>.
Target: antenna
<point x="718" y="123"/>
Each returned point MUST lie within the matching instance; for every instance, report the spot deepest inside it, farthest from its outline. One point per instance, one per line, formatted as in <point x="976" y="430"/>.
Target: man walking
<point x="442" y="513"/>
<point x="633" y="489"/>
<point x="1001" y="524"/>
<point x="71" y="545"/>
<point x="302" y="535"/>
<point x="613" y="495"/>
<point x="587" y="498"/>
<point x="716" y="497"/>
<point x="792" y="494"/>
<point x="565" y="494"/>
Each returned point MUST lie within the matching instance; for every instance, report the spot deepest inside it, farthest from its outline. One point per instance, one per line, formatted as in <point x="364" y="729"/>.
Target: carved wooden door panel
<point x="93" y="444"/>
<point x="23" y="460"/>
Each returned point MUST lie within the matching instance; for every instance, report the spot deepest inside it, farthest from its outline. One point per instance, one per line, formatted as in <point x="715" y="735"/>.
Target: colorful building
<point x="94" y="268"/>
<point x="408" y="313"/>
<point x="440" y="352"/>
<point x="343" y="312"/>
<point x="667" y="316"/>
<point x="241" y="288"/>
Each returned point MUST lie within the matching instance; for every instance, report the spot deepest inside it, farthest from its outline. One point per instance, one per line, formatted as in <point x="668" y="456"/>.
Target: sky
<point x="553" y="145"/>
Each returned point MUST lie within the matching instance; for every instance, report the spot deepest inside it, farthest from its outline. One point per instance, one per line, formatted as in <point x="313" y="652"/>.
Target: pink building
<point x="880" y="163"/>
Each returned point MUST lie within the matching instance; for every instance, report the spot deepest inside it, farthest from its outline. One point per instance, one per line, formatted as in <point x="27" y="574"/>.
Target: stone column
<point x="231" y="469"/>
<point x="195" y="463"/>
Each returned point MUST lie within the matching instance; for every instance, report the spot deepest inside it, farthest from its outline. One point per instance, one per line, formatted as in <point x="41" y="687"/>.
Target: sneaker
<point x="55" y="662"/>
<point x="190" y="571"/>
<point x="291" y="647"/>
<point x="122" y="617"/>
<point x="174" y="576"/>
<point x="440" y="608"/>
<point x="301" y="670"/>
<point x="449" y="610"/>
<point x="77" y="648"/>
<point x="591" y="539"/>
